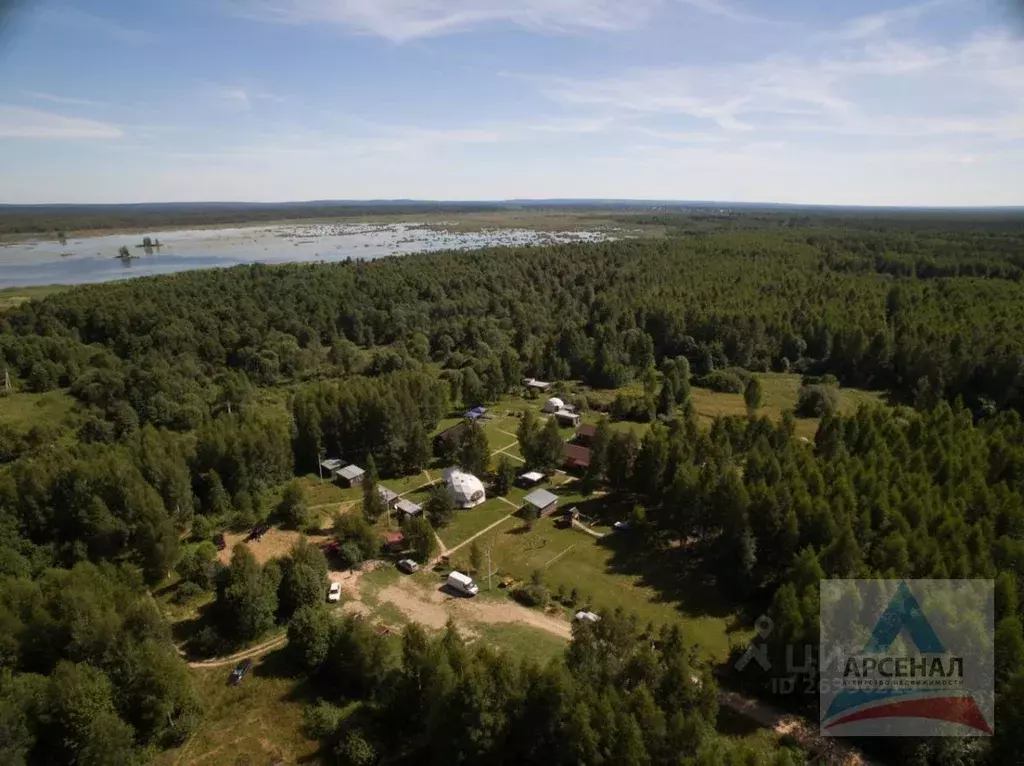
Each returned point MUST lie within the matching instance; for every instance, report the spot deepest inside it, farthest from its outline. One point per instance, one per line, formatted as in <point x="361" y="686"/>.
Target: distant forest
<point x="682" y="217"/>
<point x="366" y="358"/>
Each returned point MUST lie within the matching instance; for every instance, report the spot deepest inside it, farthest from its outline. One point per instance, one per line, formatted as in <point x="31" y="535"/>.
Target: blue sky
<point x="872" y="102"/>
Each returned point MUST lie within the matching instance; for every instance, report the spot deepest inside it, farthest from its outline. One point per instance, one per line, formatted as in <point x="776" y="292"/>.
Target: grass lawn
<point x="465" y="524"/>
<point x="12" y="296"/>
<point x="258" y="721"/>
<point x="780" y="394"/>
<point x="22" y="411"/>
<point x="328" y="492"/>
<point x="616" y="571"/>
<point x="521" y="641"/>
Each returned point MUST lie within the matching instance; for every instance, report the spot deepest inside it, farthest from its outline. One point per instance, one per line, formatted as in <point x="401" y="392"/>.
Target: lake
<point x="94" y="259"/>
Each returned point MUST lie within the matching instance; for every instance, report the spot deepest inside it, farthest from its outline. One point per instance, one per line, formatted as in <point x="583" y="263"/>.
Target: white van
<point x="463" y="584"/>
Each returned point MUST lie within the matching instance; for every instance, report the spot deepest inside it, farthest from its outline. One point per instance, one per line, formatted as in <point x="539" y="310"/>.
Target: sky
<point x="873" y="102"/>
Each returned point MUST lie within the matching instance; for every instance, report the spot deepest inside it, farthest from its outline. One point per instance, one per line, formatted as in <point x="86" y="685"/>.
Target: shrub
<point x="534" y="594"/>
<point x="202" y="528"/>
<point x="351" y="555"/>
<point x="816" y="401"/>
<point x="207" y="642"/>
<point x="321" y="720"/>
<point x="722" y="381"/>
<point x="354" y="750"/>
<point x="186" y="592"/>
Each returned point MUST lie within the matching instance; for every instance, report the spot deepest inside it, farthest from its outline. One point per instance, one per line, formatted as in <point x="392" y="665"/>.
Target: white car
<point x="587" y="617"/>
<point x="334" y="594"/>
<point x="408" y="566"/>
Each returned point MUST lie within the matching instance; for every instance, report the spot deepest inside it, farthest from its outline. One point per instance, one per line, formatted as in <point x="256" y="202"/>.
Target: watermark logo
<point x="906" y="658"/>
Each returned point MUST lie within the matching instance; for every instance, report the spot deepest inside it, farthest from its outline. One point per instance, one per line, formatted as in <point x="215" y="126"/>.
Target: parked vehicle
<point x="219" y="541"/>
<point x="622" y="526"/>
<point x="408" y="566"/>
<point x="334" y="594"/>
<point x="239" y="672"/>
<point x="463" y="584"/>
<point x="587" y="617"/>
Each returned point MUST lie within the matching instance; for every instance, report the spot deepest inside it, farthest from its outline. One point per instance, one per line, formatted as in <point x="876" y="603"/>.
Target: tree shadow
<point x="733" y="724"/>
<point x="280" y="664"/>
<point x="683" y="575"/>
<point x="183" y="631"/>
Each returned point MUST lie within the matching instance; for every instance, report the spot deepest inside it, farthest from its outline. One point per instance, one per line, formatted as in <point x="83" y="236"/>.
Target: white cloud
<point x="55" y="99"/>
<point x="403" y="20"/>
<point x="879" y="89"/>
<point x="873" y="24"/>
<point x="22" y="122"/>
<point x="726" y="10"/>
<point x="238" y="97"/>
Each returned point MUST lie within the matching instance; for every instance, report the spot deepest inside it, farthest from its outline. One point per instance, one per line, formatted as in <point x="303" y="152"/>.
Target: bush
<point x="574" y="597"/>
<point x="293" y="511"/>
<point x="350" y="555"/>
<point x="354" y="750"/>
<point x="186" y="592"/>
<point x="816" y="401"/>
<point x="637" y="408"/>
<point x="534" y="594"/>
<point x="207" y="642"/>
<point x="722" y="381"/>
<point x="202" y="528"/>
<point x="321" y="720"/>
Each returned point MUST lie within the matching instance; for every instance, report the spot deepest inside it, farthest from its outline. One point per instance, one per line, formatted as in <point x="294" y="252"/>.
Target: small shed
<point x="553" y="405"/>
<point x="408" y="507"/>
<point x="531" y="478"/>
<point x="476" y="413"/>
<point x="585" y="435"/>
<point x="394" y="541"/>
<point x="331" y="466"/>
<point x="567" y="418"/>
<point x="351" y="475"/>
<point x="576" y="457"/>
<point x="536" y="385"/>
<point x="542" y="501"/>
<point x="389" y="497"/>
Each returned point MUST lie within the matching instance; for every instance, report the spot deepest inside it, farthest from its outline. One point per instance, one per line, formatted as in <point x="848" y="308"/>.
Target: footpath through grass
<point x="258" y="721"/>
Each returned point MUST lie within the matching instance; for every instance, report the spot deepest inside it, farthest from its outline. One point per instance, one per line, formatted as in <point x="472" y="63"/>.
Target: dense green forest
<point x="174" y="439"/>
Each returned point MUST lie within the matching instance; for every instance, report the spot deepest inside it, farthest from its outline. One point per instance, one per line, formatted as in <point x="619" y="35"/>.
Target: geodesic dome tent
<point x="554" y="404"/>
<point x="466" y="490"/>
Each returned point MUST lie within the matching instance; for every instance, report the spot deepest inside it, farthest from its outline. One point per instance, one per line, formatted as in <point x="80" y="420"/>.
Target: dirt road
<point x="433" y="608"/>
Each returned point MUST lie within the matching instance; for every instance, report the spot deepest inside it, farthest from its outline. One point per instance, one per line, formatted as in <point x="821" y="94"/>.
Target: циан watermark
<point x="910" y="658"/>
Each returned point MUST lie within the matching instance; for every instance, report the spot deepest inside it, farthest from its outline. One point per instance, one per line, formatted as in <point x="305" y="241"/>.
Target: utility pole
<point x="320" y="461"/>
<point x="489" y="571"/>
<point x="7" y="380"/>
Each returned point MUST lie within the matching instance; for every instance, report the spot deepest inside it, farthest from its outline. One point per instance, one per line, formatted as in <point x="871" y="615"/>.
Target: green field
<point x="616" y="571"/>
<point x="12" y="296"/>
<point x="22" y="411"/>
<point x="467" y="523"/>
<point x="257" y="722"/>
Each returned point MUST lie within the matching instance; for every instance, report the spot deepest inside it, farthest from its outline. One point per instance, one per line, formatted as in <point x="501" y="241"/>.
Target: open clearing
<point x="22" y="410"/>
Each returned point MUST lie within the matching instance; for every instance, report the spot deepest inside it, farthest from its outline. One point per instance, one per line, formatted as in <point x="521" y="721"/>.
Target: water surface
<point x="94" y="259"/>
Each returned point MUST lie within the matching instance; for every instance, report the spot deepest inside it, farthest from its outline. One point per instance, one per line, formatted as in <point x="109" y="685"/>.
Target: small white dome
<point x="466" y="490"/>
<point x="554" y="404"/>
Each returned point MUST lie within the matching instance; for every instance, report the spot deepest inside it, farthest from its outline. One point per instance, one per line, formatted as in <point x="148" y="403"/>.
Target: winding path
<point x="267" y="646"/>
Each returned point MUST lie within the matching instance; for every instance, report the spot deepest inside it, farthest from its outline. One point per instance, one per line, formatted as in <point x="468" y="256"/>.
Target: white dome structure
<point x="466" y="490"/>
<point x="554" y="404"/>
